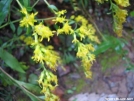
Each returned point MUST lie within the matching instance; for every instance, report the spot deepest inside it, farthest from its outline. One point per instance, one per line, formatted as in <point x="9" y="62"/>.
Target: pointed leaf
<point x="11" y="61"/>
<point x="4" y="9"/>
<point x="12" y="26"/>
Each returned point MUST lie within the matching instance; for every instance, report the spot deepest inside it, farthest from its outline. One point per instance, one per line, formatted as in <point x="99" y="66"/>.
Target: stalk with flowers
<point x="47" y="56"/>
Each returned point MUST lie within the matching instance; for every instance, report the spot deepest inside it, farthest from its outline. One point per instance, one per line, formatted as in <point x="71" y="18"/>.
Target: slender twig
<point x="35" y="3"/>
<point x="47" y="18"/>
<point x="19" y="4"/>
<point x="25" y="90"/>
<point x="9" y="23"/>
<point x="49" y="5"/>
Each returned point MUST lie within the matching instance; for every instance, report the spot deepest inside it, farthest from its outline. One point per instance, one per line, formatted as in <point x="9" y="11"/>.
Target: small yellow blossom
<point x="27" y="39"/>
<point x="72" y="17"/>
<point x="59" y="19"/>
<point x="120" y="15"/>
<point x="28" y="20"/>
<point x="22" y="37"/>
<point x="38" y="55"/>
<point x="24" y="11"/>
<point x="46" y="55"/>
<point x="119" y="18"/>
<point x="60" y="13"/>
<point x="81" y="19"/>
<point x="67" y="29"/>
<point x="43" y="31"/>
<point x="123" y="3"/>
<point x="48" y="82"/>
<point x="88" y="74"/>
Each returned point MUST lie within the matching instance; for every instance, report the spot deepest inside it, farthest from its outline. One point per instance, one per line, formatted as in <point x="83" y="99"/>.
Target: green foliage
<point x="4" y="9"/>
<point x="11" y="61"/>
<point x="111" y="42"/>
<point x="77" y="42"/>
<point x="22" y="85"/>
<point x="132" y="13"/>
<point x="109" y="59"/>
<point x="110" y="51"/>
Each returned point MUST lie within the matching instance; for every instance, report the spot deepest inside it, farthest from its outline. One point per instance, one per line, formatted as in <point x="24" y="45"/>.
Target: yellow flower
<point x="46" y="55"/>
<point x="22" y="37"/>
<point x="72" y="17"/>
<point x="24" y="11"/>
<point x="67" y="29"/>
<point x="48" y="82"/>
<point x="62" y="12"/>
<point x="88" y="74"/>
<point x="123" y="3"/>
<point x="28" y="20"/>
<point x="81" y="19"/>
<point x="38" y="55"/>
<point x="119" y="18"/>
<point x="60" y="20"/>
<point x="43" y="31"/>
<point x="27" y="39"/>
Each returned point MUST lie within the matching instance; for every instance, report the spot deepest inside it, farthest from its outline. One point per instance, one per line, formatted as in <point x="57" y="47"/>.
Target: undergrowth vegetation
<point x="30" y="41"/>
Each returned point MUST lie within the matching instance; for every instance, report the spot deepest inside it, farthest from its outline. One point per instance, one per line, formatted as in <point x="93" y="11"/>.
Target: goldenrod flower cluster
<point x="85" y="54"/>
<point x="123" y="3"/>
<point x="119" y="19"/>
<point x="48" y="82"/>
<point x="85" y="51"/>
<point x="42" y="54"/>
<point x="28" y="19"/>
<point x="86" y="30"/>
<point x="27" y="40"/>
<point x="45" y="54"/>
<point x="67" y="28"/>
<point x="43" y="31"/>
<point x="119" y="15"/>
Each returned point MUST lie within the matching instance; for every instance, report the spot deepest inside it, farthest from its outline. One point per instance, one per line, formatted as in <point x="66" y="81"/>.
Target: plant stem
<point x="9" y="23"/>
<point x="19" y="4"/>
<point x="47" y="18"/>
<point x="46" y="2"/>
<point x="17" y="82"/>
<point x="49" y="5"/>
<point x="35" y="3"/>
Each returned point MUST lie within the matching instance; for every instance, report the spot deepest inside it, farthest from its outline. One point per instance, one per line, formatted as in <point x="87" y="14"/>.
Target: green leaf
<point x="111" y="42"/>
<point x="70" y="91"/>
<point x="31" y="87"/>
<point x="4" y="9"/>
<point x="33" y="78"/>
<point x="29" y="8"/>
<point x="11" y="61"/>
<point x="53" y="7"/>
<point x="132" y="13"/>
<point x="23" y="86"/>
<point x="19" y="30"/>
<point x="12" y="27"/>
<point x="103" y="47"/>
<point x="26" y="3"/>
